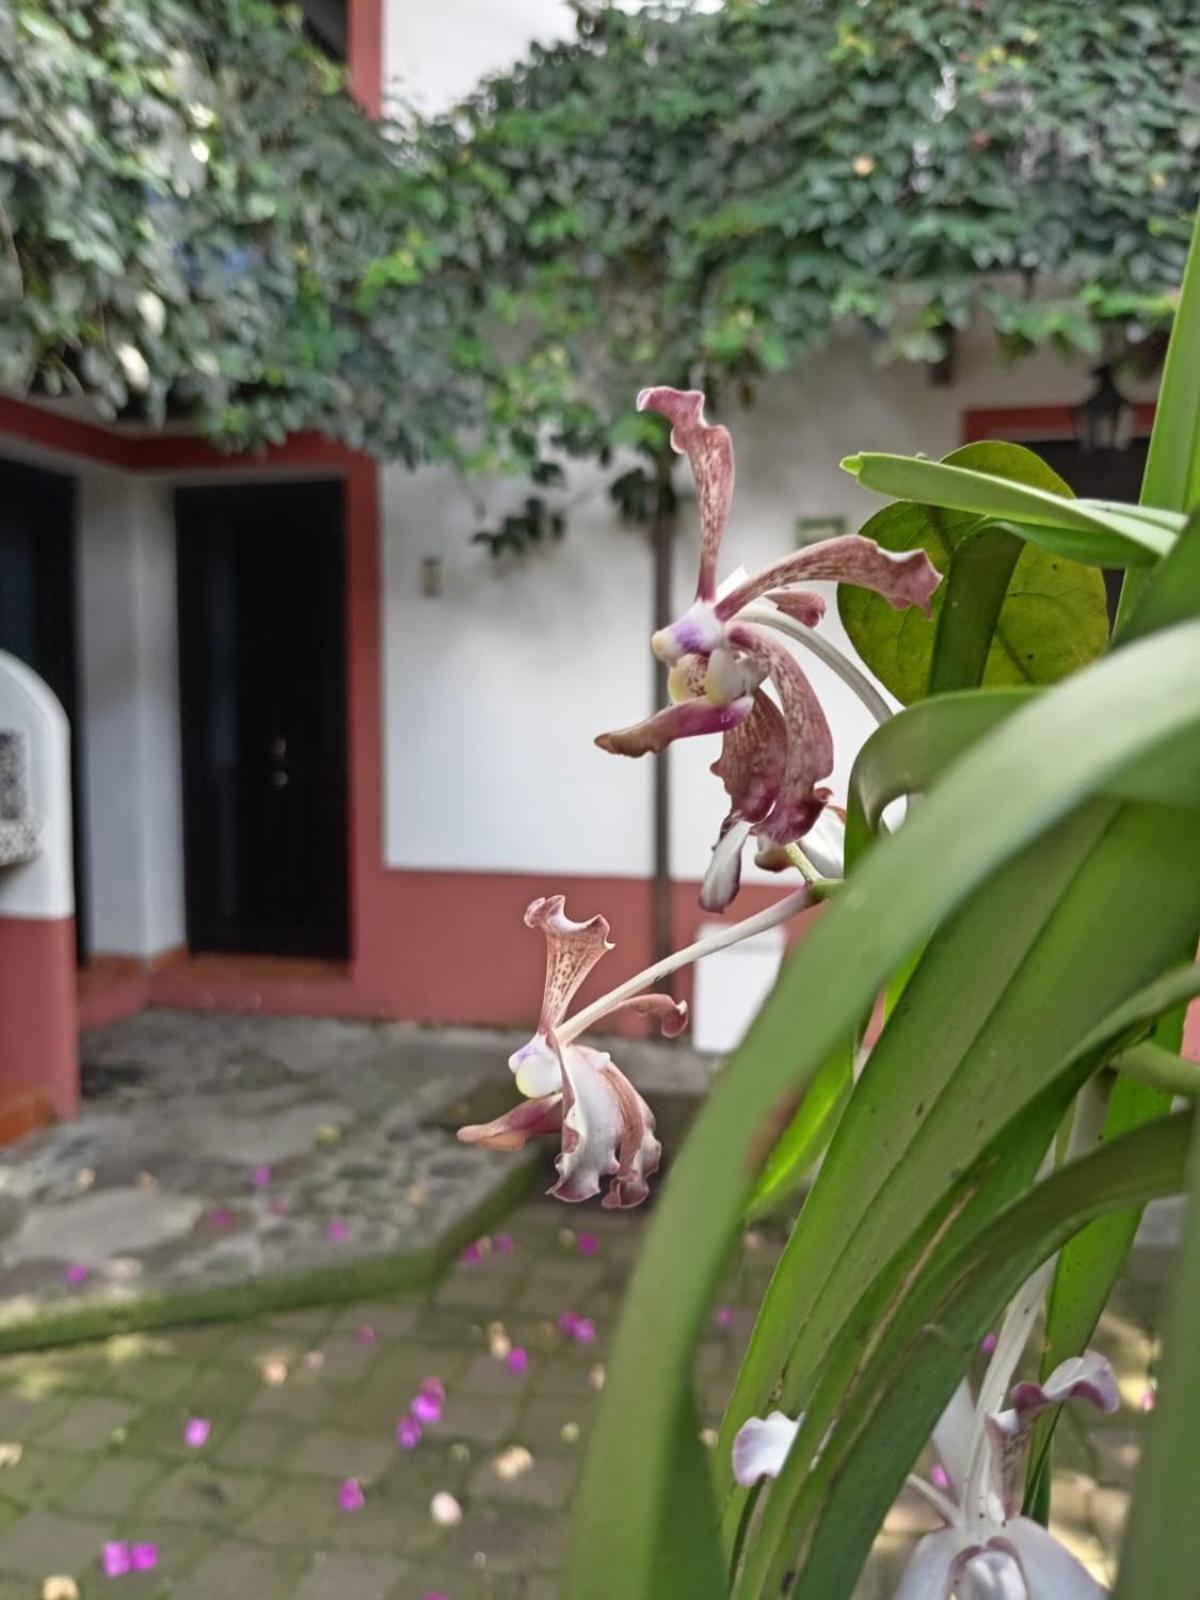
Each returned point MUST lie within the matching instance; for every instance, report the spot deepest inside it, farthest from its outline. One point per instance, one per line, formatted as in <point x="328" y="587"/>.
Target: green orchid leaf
<point x="1033" y="770"/>
<point x="1009" y="611"/>
<point x="1161" y="1554"/>
<point x="805" y="1137"/>
<point x="1094" y="531"/>
<point x="929" y="1328"/>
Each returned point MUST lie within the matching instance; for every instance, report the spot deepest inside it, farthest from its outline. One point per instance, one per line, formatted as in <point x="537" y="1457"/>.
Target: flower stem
<point x="781" y="911"/>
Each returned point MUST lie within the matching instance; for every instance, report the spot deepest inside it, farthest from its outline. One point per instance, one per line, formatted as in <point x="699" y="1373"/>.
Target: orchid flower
<point x="986" y="1550"/>
<point x="774" y="757"/>
<point x="571" y="1089"/>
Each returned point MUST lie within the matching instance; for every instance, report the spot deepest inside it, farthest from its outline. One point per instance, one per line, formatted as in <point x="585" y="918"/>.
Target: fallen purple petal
<point x="408" y="1433"/>
<point x="117" y="1559"/>
<point x="426" y="1408"/>
<point x="196" y="1433"/>
<point x="724" y="1317"/>
<point x="504" y="1243"/>
<point x="75" y="1274"/>
<point x="221" y="1217"/>
<point x="587" y="1244"/>
<point x="518" y="1359"/>
<point x="988" y="1343"/>
<point x="260" y="1177"/>
<point x="366" y="1334"/>
<point x="338" y="1231"/>
<point x="350" y="1495"/>
<point x="472" y="1255"/>
<point x="143" y="1557"/>
<point x="581" y="1329"/>
<point x="434" y="1387"/>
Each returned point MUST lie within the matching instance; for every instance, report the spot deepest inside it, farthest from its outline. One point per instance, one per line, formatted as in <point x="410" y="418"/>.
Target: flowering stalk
<point x="607" y="1129"/>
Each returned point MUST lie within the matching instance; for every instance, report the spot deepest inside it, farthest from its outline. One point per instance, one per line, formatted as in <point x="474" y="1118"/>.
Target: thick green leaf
<point x="1162" y="1546"/>
<point x="1091" y="530"/>
<point x="1003" y="1006"/>
<point x="805" y="1137"/>
<point x="1032" y="770"/>
<point x="936" y="1319"/>
<point x="991" y="623"/>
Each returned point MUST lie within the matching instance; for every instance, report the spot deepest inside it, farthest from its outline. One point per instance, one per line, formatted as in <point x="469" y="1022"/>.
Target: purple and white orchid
<point x="774" y="757"/>
<point x="986" y="1550"/>
<point x="573" y="1090"/>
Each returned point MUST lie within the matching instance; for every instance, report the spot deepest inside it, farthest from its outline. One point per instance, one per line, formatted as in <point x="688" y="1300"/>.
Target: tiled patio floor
<point x="301" y="1401"/>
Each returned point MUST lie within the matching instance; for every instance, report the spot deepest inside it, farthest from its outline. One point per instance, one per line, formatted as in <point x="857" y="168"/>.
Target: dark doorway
<point x="263" y="703"/>
<point x="1098" y="475"/>
<point x="37" y="608"/>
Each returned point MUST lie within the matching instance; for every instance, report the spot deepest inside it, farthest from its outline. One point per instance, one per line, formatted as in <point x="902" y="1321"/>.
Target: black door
<point x="263" y="702"/>
<point x="37" y="606"/>
<point x="1098" y="475"/>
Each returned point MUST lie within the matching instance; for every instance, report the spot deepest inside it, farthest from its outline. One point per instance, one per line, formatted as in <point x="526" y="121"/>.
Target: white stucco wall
<point x="130" y="697"/>
<point x="495" y="689"/>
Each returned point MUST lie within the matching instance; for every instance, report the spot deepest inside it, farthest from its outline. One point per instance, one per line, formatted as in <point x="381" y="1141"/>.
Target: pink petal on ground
<point x="75" y="1274"/>
<point x="585" y="1331"/>
<point x="473" y="1254"/>
<point x="518" y="1359"/>
<point x="279" y="1207"/>
<point x="260" y="1177"/>
<point x="426" y="1408"/>
<point x="196" y="1433"/>
<point x="724" y="1317"/>
<point x="117" y="1558"/>
<point x="350" y="1495"/>
<point x="504" y="1244"/>
<point x="143" y="1557"/>
<point x="433" y="1387"/>
<point x="587" y="1244"/>
<point x="338" y="1231"/>
<point x="408" y="1433"/>
<point x="366" y="1334"/>
<point x="221" y="1217"/>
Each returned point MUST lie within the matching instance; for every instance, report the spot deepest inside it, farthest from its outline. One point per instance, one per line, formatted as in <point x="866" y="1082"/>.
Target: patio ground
<point x="93" y="1436"/>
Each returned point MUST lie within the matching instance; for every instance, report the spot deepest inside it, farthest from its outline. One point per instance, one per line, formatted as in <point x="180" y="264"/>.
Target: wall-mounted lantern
<point x="1104" y="421"/>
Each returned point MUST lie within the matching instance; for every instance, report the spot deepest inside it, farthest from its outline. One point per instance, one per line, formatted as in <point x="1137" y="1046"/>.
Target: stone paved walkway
<point x="220" y="1157"/>
<point x="94" y="1437"/>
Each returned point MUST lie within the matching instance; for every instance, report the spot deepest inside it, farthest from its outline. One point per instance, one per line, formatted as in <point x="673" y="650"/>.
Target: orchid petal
<point x="1086" y="1377"/>
<point x="527" y="1120"/>
<point x="930" y="1570"/>
<point x="639" y="1152"/>
<point x="724" y="872"/>
<point x="710" y="451"/>
<point x="802" y="604"/>
<point x="671" y="1015"/>
<point x="1051" y="1571"/>
<point x="683" y="721"/>
<point x="809" y="742"/>
<point x="761" y="1447"/>
<point x="902" y="577"/>
<point x="993" y="1574"/>
<point x="753" y="761"/>
<point x="952" y="1437"/>
<point x="572" y="950"/>
<point x="607" y="1132"/>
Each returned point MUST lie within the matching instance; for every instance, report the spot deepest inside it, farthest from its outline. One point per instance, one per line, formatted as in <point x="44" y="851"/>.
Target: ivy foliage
<point x="197" y="219"/>
<point x="690" y="197"/>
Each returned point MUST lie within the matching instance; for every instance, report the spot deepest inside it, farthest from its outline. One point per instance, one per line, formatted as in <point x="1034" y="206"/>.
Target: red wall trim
<point x="38" y="1028"/>
<point x="1035" y="422"/>
<point x="365" y="53"/>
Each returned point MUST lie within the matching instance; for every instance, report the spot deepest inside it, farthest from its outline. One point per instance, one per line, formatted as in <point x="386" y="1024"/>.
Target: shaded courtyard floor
<point x="222" y="1163"/>
<point x="303" y="1406"/>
